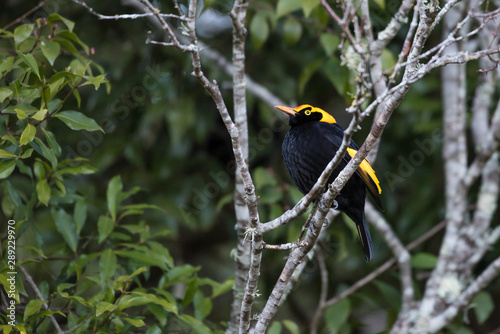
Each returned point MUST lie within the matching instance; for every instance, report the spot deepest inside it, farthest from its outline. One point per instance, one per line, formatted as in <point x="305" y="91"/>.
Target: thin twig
<point x="40" y="296"/>
<point x="385" y="266"/>
<point x="488" y="275"/>
<point x="323" y="294"/>
<point x="125" y="16"/>
<point x="402" y="255"/>
<point x="25" y="15"/>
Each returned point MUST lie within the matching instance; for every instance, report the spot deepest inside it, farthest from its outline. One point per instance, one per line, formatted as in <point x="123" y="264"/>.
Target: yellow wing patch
<point x="366" y="171"/>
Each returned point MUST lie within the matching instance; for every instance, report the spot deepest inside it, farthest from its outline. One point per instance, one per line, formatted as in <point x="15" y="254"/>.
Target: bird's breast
<point x="305" y="154"/>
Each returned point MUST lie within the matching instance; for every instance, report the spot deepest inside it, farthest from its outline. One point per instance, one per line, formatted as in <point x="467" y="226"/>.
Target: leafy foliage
<point x="104" y="282"/>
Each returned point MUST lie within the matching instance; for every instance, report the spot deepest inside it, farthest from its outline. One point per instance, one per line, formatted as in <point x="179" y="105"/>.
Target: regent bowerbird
<point x="308" y="147"/>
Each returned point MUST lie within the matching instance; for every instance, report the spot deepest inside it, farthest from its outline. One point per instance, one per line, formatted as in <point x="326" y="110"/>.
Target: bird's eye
<point x="307" y="112"/>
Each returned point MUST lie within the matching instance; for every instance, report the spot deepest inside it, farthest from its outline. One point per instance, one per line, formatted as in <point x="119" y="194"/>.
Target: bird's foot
<point x="311" y="229"/>
<point x="335" y="205"/>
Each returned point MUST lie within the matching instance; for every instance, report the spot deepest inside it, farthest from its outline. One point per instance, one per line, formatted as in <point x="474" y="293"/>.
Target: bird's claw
<point x="311" y="228"/>
<point x="335" y="205"/>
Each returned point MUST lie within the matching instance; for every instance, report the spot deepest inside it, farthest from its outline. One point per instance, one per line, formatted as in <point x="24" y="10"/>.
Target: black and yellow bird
<point x="309" y="146"/>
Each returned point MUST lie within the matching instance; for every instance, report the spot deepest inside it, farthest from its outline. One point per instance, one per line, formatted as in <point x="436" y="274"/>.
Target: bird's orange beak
<point x="287" y="110"/>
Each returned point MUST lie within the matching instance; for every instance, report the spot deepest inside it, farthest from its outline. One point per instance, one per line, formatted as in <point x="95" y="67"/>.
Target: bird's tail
<point x="366" y="239"/>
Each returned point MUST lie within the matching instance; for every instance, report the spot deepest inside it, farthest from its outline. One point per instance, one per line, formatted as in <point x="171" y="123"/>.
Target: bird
<point x="310" y="144"/>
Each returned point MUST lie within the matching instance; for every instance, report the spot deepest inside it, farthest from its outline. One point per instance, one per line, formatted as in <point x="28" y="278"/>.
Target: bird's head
<point x="307" y="113"/>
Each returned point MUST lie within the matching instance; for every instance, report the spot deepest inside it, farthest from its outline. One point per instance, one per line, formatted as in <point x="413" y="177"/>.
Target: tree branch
<point x="384" y="267"/>
<point x="40" y="296"/>
<point x="488" y="275"/>
<point x="402" y="255"/>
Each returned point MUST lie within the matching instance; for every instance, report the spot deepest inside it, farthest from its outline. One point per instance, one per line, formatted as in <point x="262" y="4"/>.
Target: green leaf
<point x="484" y="306"/>
<point x="338" y="75"/>
<point x="220" y="288"/>
<point x="22" y="32"/>
<point x="39" y="169"/>
<point x="40" y="114"/>
<point x="4" y="93"/>
<point x="137" y="298"/>
<point x="388" y="59"/>
<point x="80" y="214"/>
<point x="33" y="306"/>
<point x="162" y="252"/>
<point x="6" y="168"/>
<point x="73" y="37"/>
<point x="202" y="306"/>
<point x="27" y="153"/>
<point x="291" y="326"/>
<point x="66" y="227"/>
<point x="262" y="177"/>
<point x="55" y="87"/>
<point x="125" y="278"/>
<point x="56" y="17"/>
<point x="287" y="6"/>
<point x="77" y="121"/>
<point x="50" y="49"/>
<point x="155" y="329"/>
<point x="135" y="322"/>
<point x="76" y="170"/>
<point x="381" y="4"/>
<point x="65" y="75"/>
<point x="76" y="94"/>
<point x="275" y="328"/>
<point x="180" y="273"/>
<point x="103" y="307"/>
<point x="6" y="65"/>
<point x="259" y="30"/>
<point x="307" y="73"/>
<point x="337" y="314"/>
<point x="423" y="261"/>
<point x="79" y="299"/>
<point x="105" y="226"/>
<point x="96" y="81"/>
<point x="28" y="134"/>
<point x="107" y="266"/>
<point x="197" y="326"/>
<point x="329" y="42"/>
<point x="309" y="5"/>
<point x="43" y="191"/>
<point x="129" y="193"/>
<point x="269" y="195"/>
<point x="45" y="314"/>
<point x="29" y="60"/>
<point x="46" y="152"/>
<point x="6" y="154"/>
<point x="389" y="293"/>
<point x="51" y="140"/>
<point x="292" y="30"/>
<point x="144" y="258"/>
<point x="21" y="114"/>
<point x="113" y="197"/>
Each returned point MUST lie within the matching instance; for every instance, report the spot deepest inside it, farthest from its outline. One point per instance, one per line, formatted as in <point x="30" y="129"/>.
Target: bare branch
<point x="40" y="296"/>
<point x="166" y="27"/>
<point x="25" y="15"/>
<point x="492" y="272"/>
<point x="344" y="25"/>
<point x="402" y="255"/>
<point x="400" y="18"/>
<point x="324" y="292"/>
<point x="385" y="266"/>
<point x="124" y="16"/>
<point x="287" y="246"/>
<point x="492" y="142"/>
